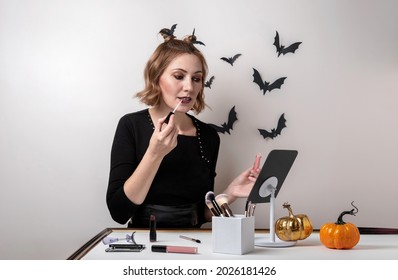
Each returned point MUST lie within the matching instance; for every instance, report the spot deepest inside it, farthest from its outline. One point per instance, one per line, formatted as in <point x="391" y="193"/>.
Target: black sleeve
<point x="123" y="164"/>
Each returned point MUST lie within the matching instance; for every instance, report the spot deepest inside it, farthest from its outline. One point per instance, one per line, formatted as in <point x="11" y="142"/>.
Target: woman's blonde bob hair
<point x="164" y="54"/>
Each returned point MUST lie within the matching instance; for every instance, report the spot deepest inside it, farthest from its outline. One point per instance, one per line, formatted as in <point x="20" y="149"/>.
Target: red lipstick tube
<point x="174" y="249"/>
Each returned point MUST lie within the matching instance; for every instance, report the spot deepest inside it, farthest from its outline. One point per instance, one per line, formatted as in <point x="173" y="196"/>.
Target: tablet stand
<point x="268" y="188"/>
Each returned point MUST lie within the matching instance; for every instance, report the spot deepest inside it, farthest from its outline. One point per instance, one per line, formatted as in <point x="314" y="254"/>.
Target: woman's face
<point x="181" y="81"/>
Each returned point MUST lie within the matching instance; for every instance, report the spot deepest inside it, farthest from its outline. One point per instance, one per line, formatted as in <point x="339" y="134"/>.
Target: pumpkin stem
<point x="287" y="206"/>
<point x="351" y="212"/>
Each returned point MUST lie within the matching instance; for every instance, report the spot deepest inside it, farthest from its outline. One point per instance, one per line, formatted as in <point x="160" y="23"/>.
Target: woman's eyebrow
<point x="185" y="71"/>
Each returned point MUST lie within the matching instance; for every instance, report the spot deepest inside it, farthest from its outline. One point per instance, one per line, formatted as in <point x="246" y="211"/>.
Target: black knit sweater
<point x="185" y="175"/>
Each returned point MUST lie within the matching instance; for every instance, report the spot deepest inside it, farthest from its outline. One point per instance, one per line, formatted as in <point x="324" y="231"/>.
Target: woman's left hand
<point x="242" y="185"/>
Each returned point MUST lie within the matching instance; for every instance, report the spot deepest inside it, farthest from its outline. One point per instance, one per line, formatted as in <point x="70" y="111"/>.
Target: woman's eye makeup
<point x="181" y="77"/>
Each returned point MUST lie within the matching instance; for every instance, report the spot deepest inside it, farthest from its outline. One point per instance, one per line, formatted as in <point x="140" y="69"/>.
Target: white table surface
<point x="370" y="247"/>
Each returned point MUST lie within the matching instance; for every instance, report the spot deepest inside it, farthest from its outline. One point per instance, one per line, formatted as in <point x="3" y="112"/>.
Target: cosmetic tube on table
<point x="152" y="228"/>
<point x="174" y="249"/>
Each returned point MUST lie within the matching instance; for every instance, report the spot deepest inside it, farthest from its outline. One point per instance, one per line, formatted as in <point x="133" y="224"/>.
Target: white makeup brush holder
<point x="233" y="235"/>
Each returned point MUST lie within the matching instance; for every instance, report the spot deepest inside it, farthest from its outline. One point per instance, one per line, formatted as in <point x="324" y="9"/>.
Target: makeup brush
<point x="222" y="200"/>
<point x="210" y="196"/>
<point x="247" y="208"/>
<point x="211" y="207"/>
<point x="172" y="112"/>
<point x="251" y="209"/>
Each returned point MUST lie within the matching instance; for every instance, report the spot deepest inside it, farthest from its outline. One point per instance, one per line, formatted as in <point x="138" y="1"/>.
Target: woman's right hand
<point x="164" y="138"/>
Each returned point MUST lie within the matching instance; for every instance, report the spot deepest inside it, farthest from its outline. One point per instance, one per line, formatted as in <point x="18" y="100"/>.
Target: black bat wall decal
<point x="275" y="131"/>
<point x="168" y="32"/>
<point x="264" y="85"/>
<point x="231" y="60"/>
<point x="280" y="49"/>
<point x="227" y="126"/>
<point x="209" y="82"/>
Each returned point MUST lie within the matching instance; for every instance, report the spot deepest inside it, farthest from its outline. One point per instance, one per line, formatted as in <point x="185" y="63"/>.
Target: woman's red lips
<point x="185" y="99"/>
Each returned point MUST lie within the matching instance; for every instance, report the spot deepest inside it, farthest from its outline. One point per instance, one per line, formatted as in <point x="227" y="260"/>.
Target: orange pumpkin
<point x="340" y="235"/>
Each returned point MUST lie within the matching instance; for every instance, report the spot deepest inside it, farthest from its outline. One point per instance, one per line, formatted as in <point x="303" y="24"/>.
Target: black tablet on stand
<point x="266" y="188"/>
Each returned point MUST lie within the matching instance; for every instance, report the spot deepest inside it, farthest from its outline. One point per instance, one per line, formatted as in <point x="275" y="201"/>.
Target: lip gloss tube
<point x="174" y="249"/>
<point x="172" y="112"/>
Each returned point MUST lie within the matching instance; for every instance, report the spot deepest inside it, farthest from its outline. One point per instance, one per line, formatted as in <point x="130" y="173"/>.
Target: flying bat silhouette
<point x="209" y="82"/>
<point x="165" y="32"/>
<point x="227" y="126"/>
<point x="275" y="131"/>
<point x="280" y="49"/>
<point x="231" y="60"/>
<point x="266" y="86"/>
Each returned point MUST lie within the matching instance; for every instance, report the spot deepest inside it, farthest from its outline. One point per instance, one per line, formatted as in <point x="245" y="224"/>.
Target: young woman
<point x="165" y="168"/>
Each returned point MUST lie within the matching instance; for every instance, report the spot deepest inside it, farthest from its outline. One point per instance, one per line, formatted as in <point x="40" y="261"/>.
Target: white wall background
<point x="69" y="70"/>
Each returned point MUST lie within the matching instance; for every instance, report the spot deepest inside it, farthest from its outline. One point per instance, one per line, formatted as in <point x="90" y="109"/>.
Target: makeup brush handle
<point x="217" y="208"/>
<point x="214" y="212"/>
